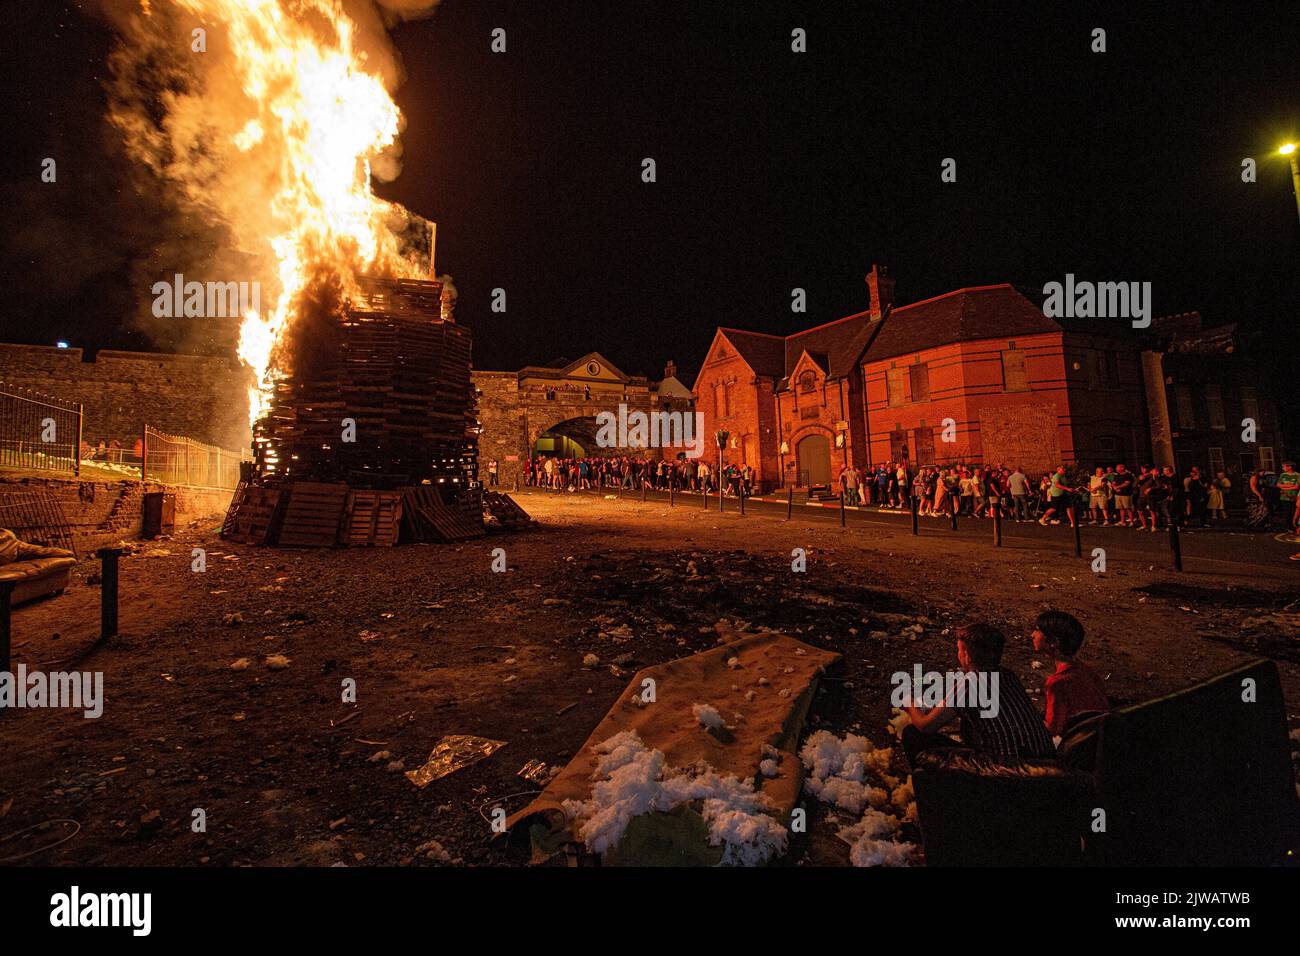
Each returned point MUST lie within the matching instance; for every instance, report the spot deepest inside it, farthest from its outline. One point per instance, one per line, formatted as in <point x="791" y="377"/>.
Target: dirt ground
<point x="439" y="644"/>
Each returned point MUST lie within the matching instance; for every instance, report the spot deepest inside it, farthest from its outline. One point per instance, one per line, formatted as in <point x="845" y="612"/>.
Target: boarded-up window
<point x="726" y="399"/>
<point x="923" y="441"/>
<point x="1214" y="405"/>
<point x="897" y="445"/>
<point x="1014" y="378"/>
<point x="717" y="402"/>
<point x="1186" y="410"/>
<point x="920" y="382"/>
<point x="894" y="384"/>
<point x="1216" y="461"/>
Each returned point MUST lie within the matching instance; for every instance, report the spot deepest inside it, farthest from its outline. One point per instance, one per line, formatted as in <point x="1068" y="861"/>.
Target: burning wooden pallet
<point x="396" y="367"/>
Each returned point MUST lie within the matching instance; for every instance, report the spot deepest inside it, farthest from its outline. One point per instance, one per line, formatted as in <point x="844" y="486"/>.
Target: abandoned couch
<point x="36" y="571"/>
<point x="1200" y="777"/>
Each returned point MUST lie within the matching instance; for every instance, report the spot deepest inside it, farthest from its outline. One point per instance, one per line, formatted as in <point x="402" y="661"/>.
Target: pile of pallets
<point x="506" y="511"/>
<point x="392" y="374"/>
<point x="372" y="436"/>
<point x="427" y="517"/>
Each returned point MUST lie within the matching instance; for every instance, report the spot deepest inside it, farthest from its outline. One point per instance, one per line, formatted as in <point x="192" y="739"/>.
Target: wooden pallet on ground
<point x="506" y="510"/>
<point x="313" y="515"/>
<point x="427" y="518"/>
<point x="252" y="515"/>
<point x="373" y="518"/>
<point x="35" y="516"/>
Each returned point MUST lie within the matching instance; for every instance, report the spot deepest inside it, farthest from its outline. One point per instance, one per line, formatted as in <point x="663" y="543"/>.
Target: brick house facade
<point x="975" y="375"/>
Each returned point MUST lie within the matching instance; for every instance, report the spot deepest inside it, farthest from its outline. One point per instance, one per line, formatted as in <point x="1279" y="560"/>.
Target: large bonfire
<point x="273" y="117"/>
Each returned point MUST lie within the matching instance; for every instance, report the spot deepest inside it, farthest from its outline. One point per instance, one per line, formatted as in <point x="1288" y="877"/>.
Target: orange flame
<point x="290" y="115"/>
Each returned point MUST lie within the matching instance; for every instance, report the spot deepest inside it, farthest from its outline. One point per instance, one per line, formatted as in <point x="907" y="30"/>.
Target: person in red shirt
<point x="1075" y="688"/>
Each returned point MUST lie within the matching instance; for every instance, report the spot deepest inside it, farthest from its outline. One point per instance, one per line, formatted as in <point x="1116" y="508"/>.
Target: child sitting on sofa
<point x="1075" y="689"/>
<point x="1010" y="732"/>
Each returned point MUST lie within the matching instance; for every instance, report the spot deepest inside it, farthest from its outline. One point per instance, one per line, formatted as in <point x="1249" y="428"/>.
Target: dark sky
<point x="775" y="169"/>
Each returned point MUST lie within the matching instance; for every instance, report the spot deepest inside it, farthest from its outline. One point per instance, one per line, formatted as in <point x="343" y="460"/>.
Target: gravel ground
<point x="200" y="713"/>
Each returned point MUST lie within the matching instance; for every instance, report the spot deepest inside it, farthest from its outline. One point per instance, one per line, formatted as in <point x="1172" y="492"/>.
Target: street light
<point x="1288" y="149"/>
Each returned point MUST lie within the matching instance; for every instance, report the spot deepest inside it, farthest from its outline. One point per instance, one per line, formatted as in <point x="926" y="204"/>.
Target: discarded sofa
<point x="37" y="571"/>
<point x="1200" y="777"/>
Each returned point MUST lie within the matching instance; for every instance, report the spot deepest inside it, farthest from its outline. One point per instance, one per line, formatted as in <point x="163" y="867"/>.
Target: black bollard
<point x="997" y="524"/>
<point x="672" y="494"/>
<point x="1175" y="546"/>
<point x="841" y="509"/>
<point x="721" y="506"/>
<point x="108" y="591"/>
<point x="742" y="500"/>
<point x="789" y="503"/>
<point x="952" y="513"/>
<point x="914" y="505"/>
<point x="643" y="490"/>
<point x="1078" y="541"/>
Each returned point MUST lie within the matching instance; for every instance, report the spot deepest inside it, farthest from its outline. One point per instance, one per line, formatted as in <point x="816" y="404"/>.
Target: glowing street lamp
<point x="1288" y="150"/>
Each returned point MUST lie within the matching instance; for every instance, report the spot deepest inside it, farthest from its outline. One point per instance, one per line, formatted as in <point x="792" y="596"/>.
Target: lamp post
<point x="1289" y="151"/>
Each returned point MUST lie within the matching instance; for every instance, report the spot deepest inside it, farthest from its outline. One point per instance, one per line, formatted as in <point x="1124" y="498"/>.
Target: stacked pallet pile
<point x="394" y="370"/>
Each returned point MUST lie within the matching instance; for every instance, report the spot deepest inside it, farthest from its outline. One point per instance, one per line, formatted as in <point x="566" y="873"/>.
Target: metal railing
<point x="175" y="460"/>
<point x="38" y="432"/>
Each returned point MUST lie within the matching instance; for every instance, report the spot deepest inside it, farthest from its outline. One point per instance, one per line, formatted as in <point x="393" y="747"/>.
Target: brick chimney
<point x="670" y="370"/>
<point x="880" y="288"/>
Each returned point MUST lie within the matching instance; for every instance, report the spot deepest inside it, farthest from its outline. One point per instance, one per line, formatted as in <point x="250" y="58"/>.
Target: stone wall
<point x="503" y="426"/>
<point x="101" y="513"/>
<point x="201" y="397"/>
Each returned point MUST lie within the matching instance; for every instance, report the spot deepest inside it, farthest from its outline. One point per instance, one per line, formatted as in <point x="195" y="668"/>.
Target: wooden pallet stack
<point x="400" y="372"/>
<point x="397" y="367"/>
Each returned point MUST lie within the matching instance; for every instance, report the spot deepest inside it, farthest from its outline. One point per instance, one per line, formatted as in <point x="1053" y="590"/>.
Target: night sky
<point x="775" y="169"/>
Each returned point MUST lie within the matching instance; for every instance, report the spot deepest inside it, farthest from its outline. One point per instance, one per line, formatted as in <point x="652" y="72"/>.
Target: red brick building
<point x="975" y="375"/>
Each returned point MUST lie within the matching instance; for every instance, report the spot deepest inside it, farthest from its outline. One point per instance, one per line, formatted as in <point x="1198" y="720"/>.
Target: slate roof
<point x="965" y="315"/>
<point x="765" y="354"/>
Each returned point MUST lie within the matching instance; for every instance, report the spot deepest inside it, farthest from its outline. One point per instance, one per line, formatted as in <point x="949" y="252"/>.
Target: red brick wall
<point x="967" y="385"/>
<point x="752" y="419"/>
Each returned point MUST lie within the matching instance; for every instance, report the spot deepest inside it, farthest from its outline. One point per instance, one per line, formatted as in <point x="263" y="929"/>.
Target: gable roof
<point x="965" y="315"/>
<point x="763" y="353"/>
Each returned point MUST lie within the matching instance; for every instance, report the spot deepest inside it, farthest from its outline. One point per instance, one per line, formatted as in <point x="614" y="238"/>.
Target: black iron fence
<point x="38" y="431"/>
<point x="175" y="460"/>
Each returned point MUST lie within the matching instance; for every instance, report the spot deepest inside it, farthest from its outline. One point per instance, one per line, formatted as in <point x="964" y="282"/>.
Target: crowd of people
<point x="685" y="474"/>
<point x="1148" y="499"/>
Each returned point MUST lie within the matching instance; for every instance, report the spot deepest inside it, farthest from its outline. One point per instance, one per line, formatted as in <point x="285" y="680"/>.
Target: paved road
<point x="1200" y="548"/>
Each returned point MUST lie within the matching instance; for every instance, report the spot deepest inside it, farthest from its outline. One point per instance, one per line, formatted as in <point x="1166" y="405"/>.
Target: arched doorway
<point x="814" y="454"/>
<point x="575" y="438"/>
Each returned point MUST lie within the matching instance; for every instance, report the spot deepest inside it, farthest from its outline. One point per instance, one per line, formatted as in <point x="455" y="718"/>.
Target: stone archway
<point x="568" y="433"/>
<point x="814" y="456"/>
